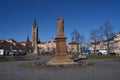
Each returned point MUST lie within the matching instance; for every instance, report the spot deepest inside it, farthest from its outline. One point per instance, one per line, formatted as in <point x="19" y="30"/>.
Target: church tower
<point x="35" y="36"/>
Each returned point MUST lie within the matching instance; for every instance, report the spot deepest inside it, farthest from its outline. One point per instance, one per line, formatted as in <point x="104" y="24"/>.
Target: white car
<point x="104" y="52"/>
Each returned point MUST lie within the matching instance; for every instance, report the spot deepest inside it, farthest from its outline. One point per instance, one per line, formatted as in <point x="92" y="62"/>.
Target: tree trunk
<point x="78" y="48"/>
<point x="108" y="48"/>
<point x="95" y="48"/>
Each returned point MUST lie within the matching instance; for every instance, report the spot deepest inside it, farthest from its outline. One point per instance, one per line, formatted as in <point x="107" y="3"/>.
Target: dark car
<point x="99" y="53"/>
<point x="112" y="53"/>
<point x="19" y="53"/>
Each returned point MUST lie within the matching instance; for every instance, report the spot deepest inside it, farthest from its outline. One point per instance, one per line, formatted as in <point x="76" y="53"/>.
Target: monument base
<point x="35" y="53"/>
<point x="60" y="60"/>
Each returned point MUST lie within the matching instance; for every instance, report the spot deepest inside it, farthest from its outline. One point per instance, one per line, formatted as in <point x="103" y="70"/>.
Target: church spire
<point x="28" y="40"/>
<point x="35" y="36"/>
<point x="35" y="23"/>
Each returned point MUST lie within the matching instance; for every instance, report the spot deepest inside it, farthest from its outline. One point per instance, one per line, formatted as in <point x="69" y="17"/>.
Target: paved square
<point x="105" y="69"/>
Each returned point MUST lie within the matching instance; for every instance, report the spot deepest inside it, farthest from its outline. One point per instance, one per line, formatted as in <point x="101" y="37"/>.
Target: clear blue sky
<point x="16" y="17"/>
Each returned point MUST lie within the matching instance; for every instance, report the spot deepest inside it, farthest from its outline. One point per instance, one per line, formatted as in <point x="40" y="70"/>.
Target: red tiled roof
<point x="21" y="43"/>
<point x="42" y="42"/>
<point x="72" y="43"/>
<point x="30" y="43"/>
<point x="2" y="41"/>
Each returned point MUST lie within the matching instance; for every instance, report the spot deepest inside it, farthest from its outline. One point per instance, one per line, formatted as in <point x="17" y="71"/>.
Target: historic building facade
<point x="114" y="45"/>
<point x="117" y="44"/>
<point x="47" y="47"/>
<point x="73" y="46"/>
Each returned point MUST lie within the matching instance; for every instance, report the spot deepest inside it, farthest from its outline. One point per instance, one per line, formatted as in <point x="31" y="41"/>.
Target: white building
<point x="117" y="44"/>
<point x="47" y="46"/>
<point x="100" y="45"/>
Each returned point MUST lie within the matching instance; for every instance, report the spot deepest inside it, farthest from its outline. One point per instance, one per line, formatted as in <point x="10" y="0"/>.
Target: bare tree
<point x="107" y="32"/>
<point x="94" y="37"/>
<point x="79" y="39"/>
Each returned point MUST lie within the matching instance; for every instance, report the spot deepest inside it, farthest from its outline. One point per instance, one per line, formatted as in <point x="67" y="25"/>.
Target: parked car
<point x="86" y="52"/>
<point x="103" y="52"/>
<point x="112" y="53"/>
<point x="19" y="53"/>
<point x="99" y="53"/>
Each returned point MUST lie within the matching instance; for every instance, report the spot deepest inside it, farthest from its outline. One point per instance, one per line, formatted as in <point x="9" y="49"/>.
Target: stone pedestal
<point x="60" y="60"/>
<point x="61" y="56"/>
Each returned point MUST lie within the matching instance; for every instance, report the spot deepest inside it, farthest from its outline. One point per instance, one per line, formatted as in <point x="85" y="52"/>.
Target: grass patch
<point x="3" y="59"/>
<point x="13" y="58"/>
<point x="103" y="57"/>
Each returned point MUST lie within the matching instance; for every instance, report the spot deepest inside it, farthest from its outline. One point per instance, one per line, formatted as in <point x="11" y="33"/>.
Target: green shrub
<point x="102" y="57"/>
<point x="75" y="55"/>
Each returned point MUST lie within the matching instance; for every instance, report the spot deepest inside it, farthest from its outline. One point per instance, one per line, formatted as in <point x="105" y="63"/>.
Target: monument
<point x="61" y="56"/>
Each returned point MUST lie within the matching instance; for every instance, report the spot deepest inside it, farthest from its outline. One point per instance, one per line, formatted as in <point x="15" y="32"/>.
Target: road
<point x="105" y="69"/>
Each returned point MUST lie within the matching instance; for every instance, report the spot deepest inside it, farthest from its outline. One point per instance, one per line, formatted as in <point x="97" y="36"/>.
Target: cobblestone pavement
<point x="105" y="69"/>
